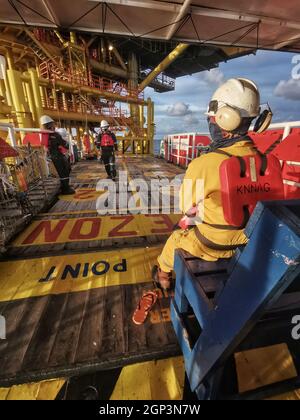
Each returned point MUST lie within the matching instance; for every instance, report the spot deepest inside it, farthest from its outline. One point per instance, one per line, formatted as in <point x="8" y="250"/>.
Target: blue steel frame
<point x="257" y="278"/>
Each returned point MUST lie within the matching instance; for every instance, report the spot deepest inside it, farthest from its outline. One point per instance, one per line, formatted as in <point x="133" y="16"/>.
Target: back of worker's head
<point x="47" y="123"/>
<point x="233" y="107"/>
<point x="104" y="125"/>
<point x="63" y="132"/>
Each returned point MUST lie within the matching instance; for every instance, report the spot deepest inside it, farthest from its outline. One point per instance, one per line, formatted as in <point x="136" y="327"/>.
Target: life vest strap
<point x="212" y="245"/>
<point x="264" y="161"/>
<point x="224" y="227"/>
<point x="221" y="152"/>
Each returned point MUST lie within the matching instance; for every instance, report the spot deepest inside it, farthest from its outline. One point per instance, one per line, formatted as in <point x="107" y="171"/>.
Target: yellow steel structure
<point x="20" y="104"/>
<point x="163" y="65"/>
<point x="65" y="88"/>
<point x="53" y="73"/>
<point x="5" y="109"/>
<point x="37" y="106"/>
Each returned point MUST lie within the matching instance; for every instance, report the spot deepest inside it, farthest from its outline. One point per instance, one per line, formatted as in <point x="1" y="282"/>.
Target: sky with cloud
<point x="276" y="73"/>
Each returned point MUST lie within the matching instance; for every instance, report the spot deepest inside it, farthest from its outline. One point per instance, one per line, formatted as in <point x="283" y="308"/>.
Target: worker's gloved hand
<point x="188" y="221"/>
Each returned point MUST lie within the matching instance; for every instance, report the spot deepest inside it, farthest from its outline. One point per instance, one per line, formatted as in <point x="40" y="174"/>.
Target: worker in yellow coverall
<point x="232" y="109"/>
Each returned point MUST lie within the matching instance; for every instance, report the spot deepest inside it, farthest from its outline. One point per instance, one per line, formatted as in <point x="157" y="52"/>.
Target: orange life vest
<point x="291" y="180"/>
<point x="247" y="180"/>
<point x="106" y="140"/>
<point x="45" y="140"/>
<point x="22" y="184"/>
<point x="87" y="143"/>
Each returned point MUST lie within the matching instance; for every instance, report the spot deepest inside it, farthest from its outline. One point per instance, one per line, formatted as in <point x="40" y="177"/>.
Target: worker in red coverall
<point x="55" y="145"/>
<point x="107" y="143"/>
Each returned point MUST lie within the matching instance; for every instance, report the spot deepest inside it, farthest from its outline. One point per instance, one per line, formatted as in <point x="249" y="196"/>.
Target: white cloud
<point x="288" y="89"/>
<point x="200" y="110"/>
<point x="179" y="109"/>
<point x="266" y="68"/>
<point x="161" y="108"/>
<point x="214" y="77"/>
<point x="167" y="126"/>
<point x="191" y="120"/>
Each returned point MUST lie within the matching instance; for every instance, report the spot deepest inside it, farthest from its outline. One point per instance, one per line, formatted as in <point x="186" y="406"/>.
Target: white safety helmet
<point x="234" y="100"/>
<point x="45" y="119"/>
<point x="104" y="124"/>
<point x="63" y="132"/>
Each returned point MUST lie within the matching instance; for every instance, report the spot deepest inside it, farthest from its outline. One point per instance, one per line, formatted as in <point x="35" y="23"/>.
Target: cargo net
<point x="25" y="188"/>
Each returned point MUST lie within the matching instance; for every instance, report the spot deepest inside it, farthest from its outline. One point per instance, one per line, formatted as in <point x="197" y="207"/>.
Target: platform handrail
<point x="287" y="126"/>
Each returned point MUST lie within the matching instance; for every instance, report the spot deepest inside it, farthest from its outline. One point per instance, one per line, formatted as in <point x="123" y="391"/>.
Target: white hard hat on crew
<point x="234" y="100"/>
<point x="63" y="132"/>
<point x="104" y="124"/>
<point x="45" y="119"/>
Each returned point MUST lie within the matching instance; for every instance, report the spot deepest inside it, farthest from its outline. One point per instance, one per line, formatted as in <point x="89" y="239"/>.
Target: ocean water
<point x="156" y="146"/>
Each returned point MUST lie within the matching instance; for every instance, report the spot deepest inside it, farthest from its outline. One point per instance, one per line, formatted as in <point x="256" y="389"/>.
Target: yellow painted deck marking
<point x="155" y="380"/>
<point x="89" y="176"/>
<point x="264" y="366"/>
<point x="161" y="210"/>
<point x="46" y="390"/>
<point x="82" y="194"/>
<point x="95" y="228"/>
<point x="67" y="212"/>
<point x="288" y="396"/>
<point x="75" y="273"/>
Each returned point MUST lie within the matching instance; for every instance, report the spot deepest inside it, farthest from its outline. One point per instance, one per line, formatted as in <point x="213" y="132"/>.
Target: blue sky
<point x="183" y="110"/>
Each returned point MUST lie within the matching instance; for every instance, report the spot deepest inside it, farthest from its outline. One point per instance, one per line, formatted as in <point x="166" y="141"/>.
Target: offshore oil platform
<point x="72" y="274"/>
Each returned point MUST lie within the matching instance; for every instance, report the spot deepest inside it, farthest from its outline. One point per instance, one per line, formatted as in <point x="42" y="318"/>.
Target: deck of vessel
<point x="72" y="279"/>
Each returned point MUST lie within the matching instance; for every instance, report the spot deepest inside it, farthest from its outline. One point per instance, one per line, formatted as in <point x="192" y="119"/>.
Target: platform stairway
<point x="50" y="65"/>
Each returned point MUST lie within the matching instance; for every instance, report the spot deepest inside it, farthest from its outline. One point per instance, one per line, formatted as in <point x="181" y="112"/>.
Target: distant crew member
<point x="107" y="143"/>
<point x="231" y="111"/>
<point x="60" y="161"/>
<point x="75" y="150"/>
<point x="86" y="143"/>
<point x="65" y="135"/>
